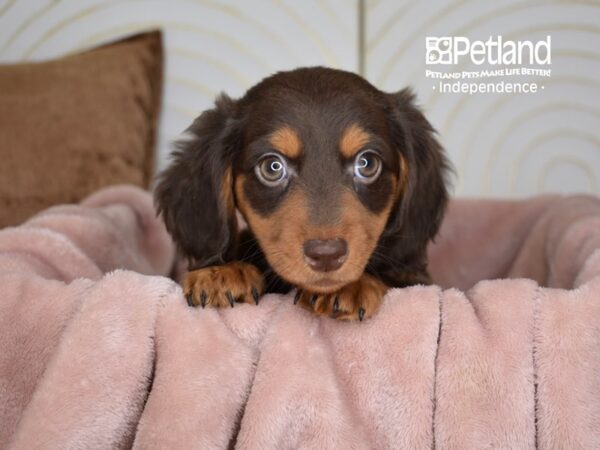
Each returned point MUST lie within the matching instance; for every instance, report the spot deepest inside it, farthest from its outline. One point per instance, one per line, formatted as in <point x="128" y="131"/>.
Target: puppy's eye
<point x="271" y="171"/>
<point x="367" y="166"/>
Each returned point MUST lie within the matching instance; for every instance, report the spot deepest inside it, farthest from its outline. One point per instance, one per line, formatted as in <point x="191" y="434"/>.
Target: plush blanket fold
<point x="98" y="349"/>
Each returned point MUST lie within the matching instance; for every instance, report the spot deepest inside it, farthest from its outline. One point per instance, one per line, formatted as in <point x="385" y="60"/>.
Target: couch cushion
<point x="72" y="125"/>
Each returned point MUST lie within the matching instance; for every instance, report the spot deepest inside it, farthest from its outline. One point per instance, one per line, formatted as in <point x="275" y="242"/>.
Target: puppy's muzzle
<point x="325" y="255"/>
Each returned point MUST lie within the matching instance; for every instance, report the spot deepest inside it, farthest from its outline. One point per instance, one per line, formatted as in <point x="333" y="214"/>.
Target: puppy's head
<point x="323" y="167"/>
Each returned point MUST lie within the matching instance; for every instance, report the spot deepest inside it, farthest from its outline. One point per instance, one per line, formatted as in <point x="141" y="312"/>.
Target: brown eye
<point x="271" y="171"/>
<point x="367" y="166"/>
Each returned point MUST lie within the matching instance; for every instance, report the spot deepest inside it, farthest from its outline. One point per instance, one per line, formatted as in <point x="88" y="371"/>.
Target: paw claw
<point x="313" y="299"/>
<point x="190" y="299"/>
<point x="336" y="304"/>
<point x="230" y="298"/>
<point x="297" y="296"/>
<point x="203" y="299"/>
<point x="361" y="314"/>
<point x="255" y="295"/>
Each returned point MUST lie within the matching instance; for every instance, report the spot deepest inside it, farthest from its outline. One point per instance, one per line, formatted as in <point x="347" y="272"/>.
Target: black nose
<point x="327" y="255"/>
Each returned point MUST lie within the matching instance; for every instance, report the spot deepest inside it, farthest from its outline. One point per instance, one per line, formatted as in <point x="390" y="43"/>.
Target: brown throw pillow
<point x="73" y="125"/>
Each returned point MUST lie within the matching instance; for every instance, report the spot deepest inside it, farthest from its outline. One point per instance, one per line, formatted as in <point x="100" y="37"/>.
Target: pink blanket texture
<point x="99" y="350"/>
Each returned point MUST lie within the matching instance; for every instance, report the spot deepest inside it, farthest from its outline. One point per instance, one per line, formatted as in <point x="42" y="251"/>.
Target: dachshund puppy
<point x="341" y="186"/>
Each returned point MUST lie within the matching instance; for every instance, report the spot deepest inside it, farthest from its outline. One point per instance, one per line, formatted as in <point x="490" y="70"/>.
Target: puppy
<point x="341" y="186"/>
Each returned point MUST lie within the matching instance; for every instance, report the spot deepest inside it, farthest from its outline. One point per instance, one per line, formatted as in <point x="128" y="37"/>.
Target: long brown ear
<point x="416" y="218"/>
<point x="195" y="193"/>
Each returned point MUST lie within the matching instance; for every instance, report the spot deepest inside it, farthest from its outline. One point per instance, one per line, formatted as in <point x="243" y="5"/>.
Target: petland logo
<point x="494" y="51"/>
<point x="511" y="67"/>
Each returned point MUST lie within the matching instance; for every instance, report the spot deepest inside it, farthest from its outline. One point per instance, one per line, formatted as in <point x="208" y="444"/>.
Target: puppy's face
<point x="317" y="179"/>
<point x="331" y="175"/>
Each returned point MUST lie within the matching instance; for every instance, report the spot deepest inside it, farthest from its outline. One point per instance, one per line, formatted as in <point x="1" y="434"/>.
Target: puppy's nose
<point x="327" y="255"/>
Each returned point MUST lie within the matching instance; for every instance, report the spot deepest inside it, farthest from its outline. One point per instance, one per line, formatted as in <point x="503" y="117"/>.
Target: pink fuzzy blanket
<point x="99" y="350"/>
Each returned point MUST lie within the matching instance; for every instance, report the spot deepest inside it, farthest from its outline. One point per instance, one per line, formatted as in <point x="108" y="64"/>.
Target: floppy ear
<point x="417" y="215"/>
<point x="195" y="193"/>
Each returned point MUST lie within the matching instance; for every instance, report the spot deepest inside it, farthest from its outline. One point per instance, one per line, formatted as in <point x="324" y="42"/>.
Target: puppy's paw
<point x="355" y="301"/>
<point x="223" y="285"/>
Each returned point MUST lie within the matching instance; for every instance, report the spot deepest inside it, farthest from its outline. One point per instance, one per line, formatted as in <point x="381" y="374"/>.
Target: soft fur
<point x="318" y="121"/>
<point x="93" y="360"/>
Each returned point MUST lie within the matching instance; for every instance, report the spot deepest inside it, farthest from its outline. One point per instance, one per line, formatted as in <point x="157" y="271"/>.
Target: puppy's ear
<point x="195" y="193"/>
<point x="422" y="201"/>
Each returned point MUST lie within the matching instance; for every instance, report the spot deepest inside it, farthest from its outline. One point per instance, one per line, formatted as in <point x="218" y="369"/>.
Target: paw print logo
<point x="438" y="50"/>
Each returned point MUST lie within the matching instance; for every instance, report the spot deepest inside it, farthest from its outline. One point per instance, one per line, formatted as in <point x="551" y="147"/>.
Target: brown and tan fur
<point x="317" y="122"/>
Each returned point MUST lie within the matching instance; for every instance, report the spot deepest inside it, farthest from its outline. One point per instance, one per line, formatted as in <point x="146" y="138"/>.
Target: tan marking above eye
<point x="354" y="138"/>
<point x="286" y="141"/>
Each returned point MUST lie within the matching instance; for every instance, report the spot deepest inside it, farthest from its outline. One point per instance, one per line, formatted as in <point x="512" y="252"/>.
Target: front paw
<point x="355" y="301"/>
<point x="223" y="285"/>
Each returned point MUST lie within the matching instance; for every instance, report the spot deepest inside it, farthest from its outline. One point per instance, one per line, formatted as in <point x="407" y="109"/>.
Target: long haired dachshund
<point x="341" y="186"/>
